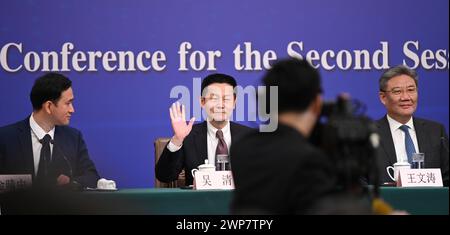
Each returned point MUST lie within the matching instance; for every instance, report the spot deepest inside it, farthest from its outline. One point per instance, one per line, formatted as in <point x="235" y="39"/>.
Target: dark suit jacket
<point x="192" y="154"/>
<point x="279" y="173"/>
<point x="432" y="140"/>
<point x="16" y="153"/>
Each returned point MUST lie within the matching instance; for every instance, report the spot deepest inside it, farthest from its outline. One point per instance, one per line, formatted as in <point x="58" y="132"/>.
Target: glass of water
<point x="418" y="160"/>
<point x="223" y="162"/>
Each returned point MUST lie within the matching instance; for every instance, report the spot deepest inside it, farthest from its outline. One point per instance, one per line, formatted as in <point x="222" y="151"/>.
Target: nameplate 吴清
<point x="213" y="180"/>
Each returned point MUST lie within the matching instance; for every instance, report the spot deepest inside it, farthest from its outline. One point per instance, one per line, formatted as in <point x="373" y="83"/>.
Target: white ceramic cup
<point x="397" y="166"/>
<point x="204" y="167"/>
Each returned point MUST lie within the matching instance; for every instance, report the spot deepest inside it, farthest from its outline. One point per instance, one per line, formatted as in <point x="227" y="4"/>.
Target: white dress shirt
<point x="398" y="136"/>
<point x="212" y="141"/>
<point x="38" y="133"/>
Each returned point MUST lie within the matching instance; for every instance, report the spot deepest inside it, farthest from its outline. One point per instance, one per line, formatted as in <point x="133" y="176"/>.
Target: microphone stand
<point x="72" y="185"/>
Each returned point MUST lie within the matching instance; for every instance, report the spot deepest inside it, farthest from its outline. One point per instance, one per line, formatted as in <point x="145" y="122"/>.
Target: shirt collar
<point x="38" y="131"/>
<point x="212" y="130"/>
<point x="394" y="125"/>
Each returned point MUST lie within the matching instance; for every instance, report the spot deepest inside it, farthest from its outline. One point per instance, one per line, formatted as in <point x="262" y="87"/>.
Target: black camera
<point x="350" y="139"/>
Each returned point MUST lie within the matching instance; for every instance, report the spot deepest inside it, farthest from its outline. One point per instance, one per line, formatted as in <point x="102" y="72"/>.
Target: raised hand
<point x="179" y="126"/>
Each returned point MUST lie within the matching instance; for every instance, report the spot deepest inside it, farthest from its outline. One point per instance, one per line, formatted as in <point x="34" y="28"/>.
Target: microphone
<point x="73" y="185"/>
<point x="64" y="156"/>
<point x="445" y="142"/>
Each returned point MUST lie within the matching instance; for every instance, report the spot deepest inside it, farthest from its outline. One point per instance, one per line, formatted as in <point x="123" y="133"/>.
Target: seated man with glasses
<point x="192" y="144"/>
<point x="402" y="134"/>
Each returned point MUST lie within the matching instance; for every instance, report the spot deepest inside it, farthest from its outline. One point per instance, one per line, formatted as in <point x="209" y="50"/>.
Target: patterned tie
<point x="221" y="149"/>
<point x="409" y="144"/>
<point x="44" y="162"/>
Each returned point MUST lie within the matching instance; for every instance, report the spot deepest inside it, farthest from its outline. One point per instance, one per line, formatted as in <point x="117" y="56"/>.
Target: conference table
<point x="175" y="201"/>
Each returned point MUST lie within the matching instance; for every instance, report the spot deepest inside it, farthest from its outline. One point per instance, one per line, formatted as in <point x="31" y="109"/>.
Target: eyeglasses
<point x="398" y="91"/>
<point x="216" y="99"/>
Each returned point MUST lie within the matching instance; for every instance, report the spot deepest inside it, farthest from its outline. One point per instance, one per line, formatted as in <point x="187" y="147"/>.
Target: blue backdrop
<point x="122" y="112"/>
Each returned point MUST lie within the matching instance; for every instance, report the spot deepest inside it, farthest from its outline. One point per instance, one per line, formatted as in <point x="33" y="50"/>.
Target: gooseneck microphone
<point x="444" y="141"/>
<point x="73" y="185"/>
<point x="65" y="158"/>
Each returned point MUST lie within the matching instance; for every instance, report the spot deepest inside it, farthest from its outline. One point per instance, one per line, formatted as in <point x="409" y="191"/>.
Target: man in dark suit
<point x="42" y="145"/>
<point x="192" y="144"/>
<point x="280" y="172"/>
<point x="402" y="134"/>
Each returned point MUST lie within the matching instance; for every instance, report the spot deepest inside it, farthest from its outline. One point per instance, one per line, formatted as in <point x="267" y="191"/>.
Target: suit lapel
<point x="56" y="153"/>
<point x="26" y="146"/>
<point x="387" y="143"/>
<point x="237" y="132"/>
<point x="234" y="131"/>
<point x="201" y="143"/>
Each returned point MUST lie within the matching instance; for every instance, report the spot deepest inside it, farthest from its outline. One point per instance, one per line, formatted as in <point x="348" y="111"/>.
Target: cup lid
<point x="206" y="165"/>
<point x="402" y="164"/>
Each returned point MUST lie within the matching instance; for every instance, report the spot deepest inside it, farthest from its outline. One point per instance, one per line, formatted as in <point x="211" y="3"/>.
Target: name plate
<point x="213" y="180"/>
<point x="430" y="177"/>
<point x="14" y="182"/>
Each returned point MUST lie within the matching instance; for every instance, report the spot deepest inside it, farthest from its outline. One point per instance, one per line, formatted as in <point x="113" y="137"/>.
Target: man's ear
<point x="382" y="97"/>
<point x="46" y="107"/>
<point x="202" y="101"/>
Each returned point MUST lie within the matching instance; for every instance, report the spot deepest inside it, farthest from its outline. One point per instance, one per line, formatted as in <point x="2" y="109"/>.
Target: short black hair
<point x="297" y="81"/>
<point x="218" y="78"/>
<point x="48" y="88"/>
<point x="397" y="71"/>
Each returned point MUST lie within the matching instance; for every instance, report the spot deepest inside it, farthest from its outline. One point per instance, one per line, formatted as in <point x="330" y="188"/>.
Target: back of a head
<point x="48" y="87"/>
<point x="298" y="84"/>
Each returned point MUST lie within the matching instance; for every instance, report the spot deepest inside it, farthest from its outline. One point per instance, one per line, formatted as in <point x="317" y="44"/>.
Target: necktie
<point x="410" y="149"/>
<point x="221" y="151"/>
<point x="44" y="162"/>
